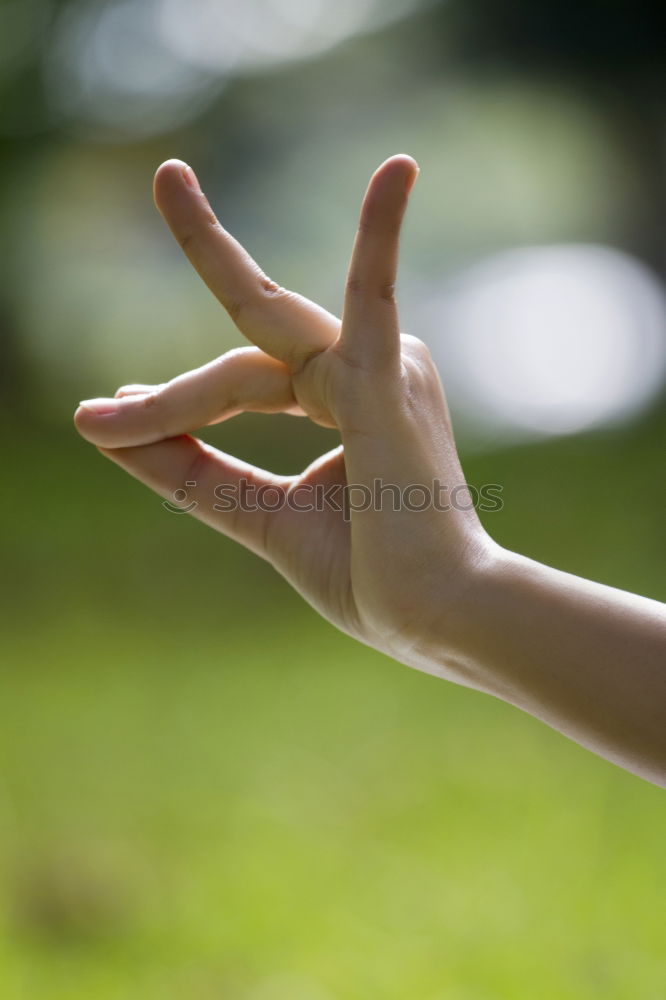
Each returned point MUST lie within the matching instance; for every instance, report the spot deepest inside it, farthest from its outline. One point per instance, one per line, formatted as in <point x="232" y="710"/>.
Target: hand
<point x="427" y="586"/>
<point x="387" y="576"/>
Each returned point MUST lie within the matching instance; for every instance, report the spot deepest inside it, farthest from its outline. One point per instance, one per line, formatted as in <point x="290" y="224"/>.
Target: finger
<point x="241" y="380"/>
<point x="135" y="389"/>
<point x="284" y="324"/>
<point x="235" y="498"/>
<point x="370" y="330"/>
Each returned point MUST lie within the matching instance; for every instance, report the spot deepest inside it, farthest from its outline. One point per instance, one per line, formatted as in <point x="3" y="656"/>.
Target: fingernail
<point x="191" y="178"/>
<point x="100" y="406"/>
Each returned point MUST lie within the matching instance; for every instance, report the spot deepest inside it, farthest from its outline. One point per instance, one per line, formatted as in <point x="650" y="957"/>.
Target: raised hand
<point x="405" y="566"/>
<point x="380" y="573"/>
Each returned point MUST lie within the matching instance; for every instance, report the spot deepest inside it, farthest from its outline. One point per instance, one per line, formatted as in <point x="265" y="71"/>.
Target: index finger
<point x="286" y="325"/>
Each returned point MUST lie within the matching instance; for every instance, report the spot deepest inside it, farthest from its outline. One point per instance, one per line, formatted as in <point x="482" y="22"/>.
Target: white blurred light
<point x="145" y="66"/>
<point x="245" y="35"/>
<point x="550" y="340"/>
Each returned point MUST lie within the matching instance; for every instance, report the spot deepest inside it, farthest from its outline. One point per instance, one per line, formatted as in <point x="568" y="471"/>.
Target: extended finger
<point x="370" y="330"/>
<point x="284" y="324"/>
<point x="241" y="380"/>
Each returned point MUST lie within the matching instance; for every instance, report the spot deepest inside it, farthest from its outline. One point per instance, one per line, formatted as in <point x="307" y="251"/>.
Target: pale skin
<point x="429" y="588"/>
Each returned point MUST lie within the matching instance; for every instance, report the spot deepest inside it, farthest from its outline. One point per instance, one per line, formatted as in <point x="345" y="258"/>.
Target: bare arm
<point x="587" y="659"/>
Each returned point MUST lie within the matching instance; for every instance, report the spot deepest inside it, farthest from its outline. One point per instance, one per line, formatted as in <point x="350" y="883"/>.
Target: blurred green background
<point x="205" y="791"/>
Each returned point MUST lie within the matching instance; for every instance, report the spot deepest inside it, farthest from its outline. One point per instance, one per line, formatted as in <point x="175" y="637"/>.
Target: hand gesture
<point x="368" y="533"/>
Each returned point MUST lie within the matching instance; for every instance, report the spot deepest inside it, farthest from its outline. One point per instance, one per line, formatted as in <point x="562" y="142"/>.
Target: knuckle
<point x="414" y="347"/>
<point x="152" y="400"/>
<point x="383" y="291"/>
<point x="185" y="241"/>
<point x="235" y="309"/>
<point x="271" y="294"/>
<point x="419" y="373"/>
<point x="355" y="286"/>
<point x="234" y="357"/>
<point x="266" y="294"/>
<point x="387" y="292"/>
<point x="270" y="287"/>
<point x="157" y="414"/>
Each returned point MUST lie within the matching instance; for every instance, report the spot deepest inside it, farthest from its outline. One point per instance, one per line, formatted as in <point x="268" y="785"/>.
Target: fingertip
<point x="172" y="176"/>
<point x="408" y="161"/>
<point x="400" y="165"/>
<point x="392" y="183"/>
<point x="105" y="420"/>
<point x="168" y="171"/>
<point x="84" y="423"/>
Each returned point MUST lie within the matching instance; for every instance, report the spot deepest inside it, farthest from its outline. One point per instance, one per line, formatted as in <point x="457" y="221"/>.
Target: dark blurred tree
<point x="27" y="128"/>
<point x="613" y="52"/>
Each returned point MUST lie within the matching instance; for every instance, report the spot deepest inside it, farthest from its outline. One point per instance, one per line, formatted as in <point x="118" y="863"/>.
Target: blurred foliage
<point x="205" y="791"/>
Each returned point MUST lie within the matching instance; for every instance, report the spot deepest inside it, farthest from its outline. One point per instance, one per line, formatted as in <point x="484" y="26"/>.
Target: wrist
<point x="472" y="627"/>
<point x="453" y="637"/>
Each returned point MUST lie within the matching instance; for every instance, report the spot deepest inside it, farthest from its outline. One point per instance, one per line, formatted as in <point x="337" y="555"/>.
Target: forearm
<point x="587" y="659"/>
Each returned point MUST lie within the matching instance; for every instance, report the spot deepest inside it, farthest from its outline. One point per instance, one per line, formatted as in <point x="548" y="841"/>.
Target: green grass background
<point x="207" y="792"/>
